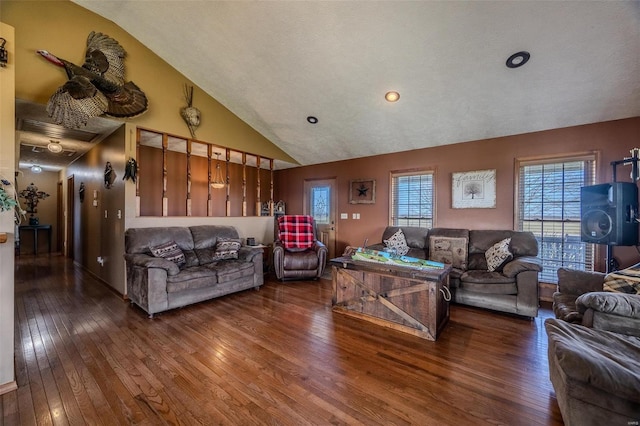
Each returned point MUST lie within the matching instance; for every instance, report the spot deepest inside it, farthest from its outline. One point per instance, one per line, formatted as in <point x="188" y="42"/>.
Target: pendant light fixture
<point x="218" y="181"/>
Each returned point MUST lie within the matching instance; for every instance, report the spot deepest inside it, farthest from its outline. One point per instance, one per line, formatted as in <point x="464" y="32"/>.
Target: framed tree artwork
<point x="475" y="189"/>
<point x="362" y="191"/>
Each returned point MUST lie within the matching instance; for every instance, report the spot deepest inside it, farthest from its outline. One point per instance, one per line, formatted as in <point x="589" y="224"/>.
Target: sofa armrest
<point x="147" y="261"/>
<point x="571" y="281"/>
<point x="249" y="253"/>
<point x="627" y="305"/>
<point x="522" y="264"/>
<point x="617" y="312"/>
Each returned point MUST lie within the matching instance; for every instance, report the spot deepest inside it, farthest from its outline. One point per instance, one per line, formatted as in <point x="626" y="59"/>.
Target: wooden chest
<point x="411" y="301"/>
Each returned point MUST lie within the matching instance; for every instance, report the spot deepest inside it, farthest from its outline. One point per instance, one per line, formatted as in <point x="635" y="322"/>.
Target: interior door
<point x="70" y="216"/>
<point x="320" y="202"/>
<point x="60" y="220"/>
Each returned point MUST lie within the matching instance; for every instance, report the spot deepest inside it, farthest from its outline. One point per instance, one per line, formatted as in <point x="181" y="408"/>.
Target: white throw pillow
<point x="398" y="242"/>
<point x="498" y="255"/>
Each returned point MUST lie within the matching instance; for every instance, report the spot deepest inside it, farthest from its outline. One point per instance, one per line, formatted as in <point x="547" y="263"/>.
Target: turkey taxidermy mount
<point x="95" y="88"/>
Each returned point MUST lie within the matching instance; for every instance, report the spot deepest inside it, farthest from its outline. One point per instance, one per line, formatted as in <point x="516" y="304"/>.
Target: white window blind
<point x="549" y="206"/>
<point x="412" y="199"/>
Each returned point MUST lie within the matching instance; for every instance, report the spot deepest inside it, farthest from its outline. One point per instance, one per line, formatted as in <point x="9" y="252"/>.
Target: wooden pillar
<point x="228" y="200"/>
<point x="188" y="177"/>
<point x="271" y="202"/>
<point x="209" y="201"/>
<point x="165" y="201"/>
<point x="138" y="172"/>
<point x="258" y="200"/>
<point x="244" y="184"/>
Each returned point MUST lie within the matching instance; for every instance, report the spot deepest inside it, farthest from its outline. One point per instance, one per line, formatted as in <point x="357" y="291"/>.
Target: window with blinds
<point x="549" y="206"/>
<point x="412" y="199"/>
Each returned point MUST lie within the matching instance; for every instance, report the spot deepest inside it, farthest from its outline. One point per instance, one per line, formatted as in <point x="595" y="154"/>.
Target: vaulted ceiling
<point x="275" y="63"/>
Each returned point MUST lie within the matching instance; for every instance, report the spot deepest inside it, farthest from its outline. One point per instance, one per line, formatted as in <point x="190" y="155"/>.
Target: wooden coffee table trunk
<point x="400" y="298"/>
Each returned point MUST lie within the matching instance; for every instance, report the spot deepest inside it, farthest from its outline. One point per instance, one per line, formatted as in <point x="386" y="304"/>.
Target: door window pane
<point x="320" y="203"/>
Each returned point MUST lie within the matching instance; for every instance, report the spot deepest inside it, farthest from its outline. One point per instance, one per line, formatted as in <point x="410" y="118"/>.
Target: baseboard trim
<point x="8" y="387"/>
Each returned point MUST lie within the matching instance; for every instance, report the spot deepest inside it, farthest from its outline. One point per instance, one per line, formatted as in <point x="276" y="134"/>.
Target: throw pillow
<point x="398" y="242"/>
<point x="498" y="254"/>
<point x="227" y="248"/>
<point x="449" y="250"/>
<point x="169" y="251"/>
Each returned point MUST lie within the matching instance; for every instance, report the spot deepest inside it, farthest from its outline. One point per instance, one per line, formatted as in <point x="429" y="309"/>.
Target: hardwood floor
<point x="274" y="356"/>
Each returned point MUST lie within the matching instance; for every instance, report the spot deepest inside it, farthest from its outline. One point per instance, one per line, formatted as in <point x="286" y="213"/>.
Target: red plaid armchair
<point x="297" y="254"/>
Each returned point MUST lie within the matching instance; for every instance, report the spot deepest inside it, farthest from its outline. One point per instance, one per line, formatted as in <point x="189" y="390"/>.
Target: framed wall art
<point x="362" y="191"/>
<point x="474" y="190"/>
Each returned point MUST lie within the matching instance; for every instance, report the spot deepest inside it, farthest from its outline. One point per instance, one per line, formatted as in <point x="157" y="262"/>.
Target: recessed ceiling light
<point x="392" y="96"/>
<point x="36" y="169"/>
<point x="311" y="119"/>
<point x="54" y="146"/>
<point x="518" y="59"/>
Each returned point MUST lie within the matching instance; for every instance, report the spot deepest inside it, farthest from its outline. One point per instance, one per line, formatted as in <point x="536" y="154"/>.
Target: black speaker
<point x="608" y="214"/>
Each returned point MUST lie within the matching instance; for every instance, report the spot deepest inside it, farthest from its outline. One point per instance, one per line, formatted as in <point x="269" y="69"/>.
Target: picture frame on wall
<point x="474" y="190"/>
<point x="362" y="191"/>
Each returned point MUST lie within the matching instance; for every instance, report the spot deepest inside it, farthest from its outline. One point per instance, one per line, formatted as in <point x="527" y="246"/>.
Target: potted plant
<point x="7" y="202"/>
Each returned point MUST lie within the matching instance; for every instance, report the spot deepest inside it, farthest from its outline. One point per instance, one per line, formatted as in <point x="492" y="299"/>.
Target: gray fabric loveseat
<point x="206" y="261"/>
<point x="512" y="284"/>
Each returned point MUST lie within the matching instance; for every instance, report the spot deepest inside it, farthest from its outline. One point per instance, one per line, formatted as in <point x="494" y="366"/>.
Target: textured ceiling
<point x="275" y="63"/>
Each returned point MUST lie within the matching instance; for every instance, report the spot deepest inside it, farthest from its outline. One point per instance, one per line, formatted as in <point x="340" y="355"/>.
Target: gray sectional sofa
<point x="205" y="271"/>
<point x="512" y="287"/>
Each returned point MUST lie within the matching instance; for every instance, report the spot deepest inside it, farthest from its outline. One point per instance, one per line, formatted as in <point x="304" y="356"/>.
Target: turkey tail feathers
<point x="128" y="101"/>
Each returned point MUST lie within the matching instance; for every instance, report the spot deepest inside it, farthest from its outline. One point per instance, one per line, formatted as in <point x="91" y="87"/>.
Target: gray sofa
<point x="594" y="350"/>
<point x="512" y="288"/>
<point x="156" y="284"/>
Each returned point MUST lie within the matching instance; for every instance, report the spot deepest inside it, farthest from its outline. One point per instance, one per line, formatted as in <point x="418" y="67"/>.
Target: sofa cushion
<point x="625" y="305"/>
<point x="398" y="243"/>
<point x="191" y="278"/>
<point x="191" y="259"/>
<point x="296" y="231"/>
<point x="205" y="236"/>
<point x="449" y="250"/>
<point x="491" y="288"/>
<point x="498" y="254"/>
<point x="205" y="255"/>
<point x="523" y="243"/>
<point x="138" y="240"/>
<point x="227" y="248"/>
<point x="231" y="270"/>
<point x="564" y="308"/>
<point x="169" y="250"/>
<point x="415" y="236"/>
<point x="306" y="260"/>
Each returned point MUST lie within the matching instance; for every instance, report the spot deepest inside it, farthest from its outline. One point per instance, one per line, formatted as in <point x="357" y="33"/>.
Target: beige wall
<point x="611" y="140"/>
<point x="7" y="169"/>
<point x="62" y="27"/>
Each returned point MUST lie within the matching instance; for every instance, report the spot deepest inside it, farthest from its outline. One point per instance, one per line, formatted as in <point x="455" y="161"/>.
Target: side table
<point x="35" y="229"/>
